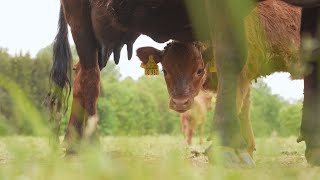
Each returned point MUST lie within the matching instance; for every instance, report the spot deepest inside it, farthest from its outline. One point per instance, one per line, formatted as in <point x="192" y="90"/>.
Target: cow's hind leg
<point x="310" y="126"/>
<point x="83" y="119"/>
<point x="74" y="128"/>
<point x="245" y="123"/>
<point x="230" y="52"/>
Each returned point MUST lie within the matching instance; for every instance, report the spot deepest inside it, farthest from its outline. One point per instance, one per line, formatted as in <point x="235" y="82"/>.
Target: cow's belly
<point x="114" y="20"/>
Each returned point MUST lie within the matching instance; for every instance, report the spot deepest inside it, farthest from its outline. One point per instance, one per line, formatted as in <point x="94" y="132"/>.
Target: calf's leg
<point x="201" y="129"/>
<point x="184" y="124"/>
<point x="190" y="134"/>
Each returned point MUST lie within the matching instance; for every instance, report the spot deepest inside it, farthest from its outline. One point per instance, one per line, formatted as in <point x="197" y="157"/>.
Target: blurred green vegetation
<point x="127" y="106"/>
<point x="148" y="157"/>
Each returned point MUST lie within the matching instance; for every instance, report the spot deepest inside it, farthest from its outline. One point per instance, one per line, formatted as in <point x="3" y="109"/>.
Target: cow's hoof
<point x="313" y="156"/>
<point x="230" y="158"/>
<point x="246" y="159"/>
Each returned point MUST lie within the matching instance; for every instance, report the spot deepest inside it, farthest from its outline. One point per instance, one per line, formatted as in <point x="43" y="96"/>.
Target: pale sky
<point x="29" y="25"/>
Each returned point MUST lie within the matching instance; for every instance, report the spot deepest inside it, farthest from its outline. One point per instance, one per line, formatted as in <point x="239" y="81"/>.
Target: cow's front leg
<point x="310" y="126"/>
<point x="227" y="32"/>
<point x="226" y="121"/>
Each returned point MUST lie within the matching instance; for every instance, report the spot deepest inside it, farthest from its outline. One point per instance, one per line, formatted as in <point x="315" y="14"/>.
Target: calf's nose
<point x="180" y="104"/>
<point x="180" y="101"/>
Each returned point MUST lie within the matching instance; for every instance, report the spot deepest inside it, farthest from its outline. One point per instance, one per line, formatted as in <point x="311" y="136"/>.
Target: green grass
<point x="148" y="157"/>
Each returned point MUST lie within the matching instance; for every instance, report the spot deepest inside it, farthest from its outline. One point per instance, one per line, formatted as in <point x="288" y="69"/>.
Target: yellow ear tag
<point x="142" y="65"/>
<point x="151" y="68"/>
<point x="212" y="67"/>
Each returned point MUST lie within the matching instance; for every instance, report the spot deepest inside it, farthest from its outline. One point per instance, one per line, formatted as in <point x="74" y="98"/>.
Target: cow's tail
<point x="60" y="75"/>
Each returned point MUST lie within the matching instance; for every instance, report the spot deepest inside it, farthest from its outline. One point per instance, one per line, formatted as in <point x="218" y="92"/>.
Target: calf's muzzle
<point x="180" y="103"/>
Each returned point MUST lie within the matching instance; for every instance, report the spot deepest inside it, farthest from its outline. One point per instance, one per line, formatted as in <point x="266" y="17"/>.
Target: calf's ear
<point x="145" y="52"/>
<point x="207" y="55"/>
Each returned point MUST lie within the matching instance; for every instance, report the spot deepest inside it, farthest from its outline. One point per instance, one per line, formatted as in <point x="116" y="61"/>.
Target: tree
<point x="290" y="119"/>
<point x="265" y="109"/>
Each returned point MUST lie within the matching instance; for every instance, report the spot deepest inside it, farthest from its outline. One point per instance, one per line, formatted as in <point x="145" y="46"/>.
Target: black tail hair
<point x="60" y="75"/>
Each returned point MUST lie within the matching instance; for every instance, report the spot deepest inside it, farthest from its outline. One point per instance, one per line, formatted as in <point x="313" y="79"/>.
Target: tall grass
<point x="148" y="157"/>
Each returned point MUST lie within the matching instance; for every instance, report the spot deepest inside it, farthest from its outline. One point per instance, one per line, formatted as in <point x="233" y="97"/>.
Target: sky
<point x="29" y="25"/>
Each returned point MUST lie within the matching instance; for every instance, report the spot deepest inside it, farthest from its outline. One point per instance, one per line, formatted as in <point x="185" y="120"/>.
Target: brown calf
<point x="196" y="116"/>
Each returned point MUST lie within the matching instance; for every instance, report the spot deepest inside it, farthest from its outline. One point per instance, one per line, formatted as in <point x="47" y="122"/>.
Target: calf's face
<point x="183" y="70"/>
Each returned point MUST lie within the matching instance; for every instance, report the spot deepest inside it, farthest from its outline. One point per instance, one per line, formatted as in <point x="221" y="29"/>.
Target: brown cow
<point x="109" y="24"/>
<point x="230" y="49"/>
<point x="272" y="32"/>
<point x="196" y="116"/>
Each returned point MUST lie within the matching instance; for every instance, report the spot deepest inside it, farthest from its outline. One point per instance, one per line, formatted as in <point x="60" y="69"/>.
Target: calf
<point x="196" y="116"/>
<point x="183" y="69"/>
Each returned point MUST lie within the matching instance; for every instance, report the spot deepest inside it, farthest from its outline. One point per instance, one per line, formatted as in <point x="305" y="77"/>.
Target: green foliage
<point x="127" y="106"/>
<point x="22" y="80"/>
<point x="290" y="119"/>
<point x="271" y="114"/>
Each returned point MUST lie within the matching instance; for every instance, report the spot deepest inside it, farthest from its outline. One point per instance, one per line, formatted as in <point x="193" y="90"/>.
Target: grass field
<point x="161" y="157"/>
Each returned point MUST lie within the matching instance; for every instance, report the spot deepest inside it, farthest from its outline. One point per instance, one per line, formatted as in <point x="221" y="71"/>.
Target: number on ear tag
<point x="151" y="68"/>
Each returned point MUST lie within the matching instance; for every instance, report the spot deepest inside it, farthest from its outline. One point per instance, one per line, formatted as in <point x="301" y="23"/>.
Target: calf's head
<point x="183" y="69"/>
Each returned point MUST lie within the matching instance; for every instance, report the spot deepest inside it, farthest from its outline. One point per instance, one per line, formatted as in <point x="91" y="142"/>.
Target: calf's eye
<point x="200" y="71"/>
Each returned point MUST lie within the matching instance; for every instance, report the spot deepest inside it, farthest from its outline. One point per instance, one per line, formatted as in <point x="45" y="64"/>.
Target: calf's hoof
<point x="313" y="156"/>
<point x="230" y="157"/>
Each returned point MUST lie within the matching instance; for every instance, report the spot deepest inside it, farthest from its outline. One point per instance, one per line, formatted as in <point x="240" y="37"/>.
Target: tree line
<point x="126" y="106"/>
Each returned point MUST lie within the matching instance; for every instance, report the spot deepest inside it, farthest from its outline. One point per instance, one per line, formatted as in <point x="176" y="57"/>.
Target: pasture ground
<point x="148" y="157"/>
